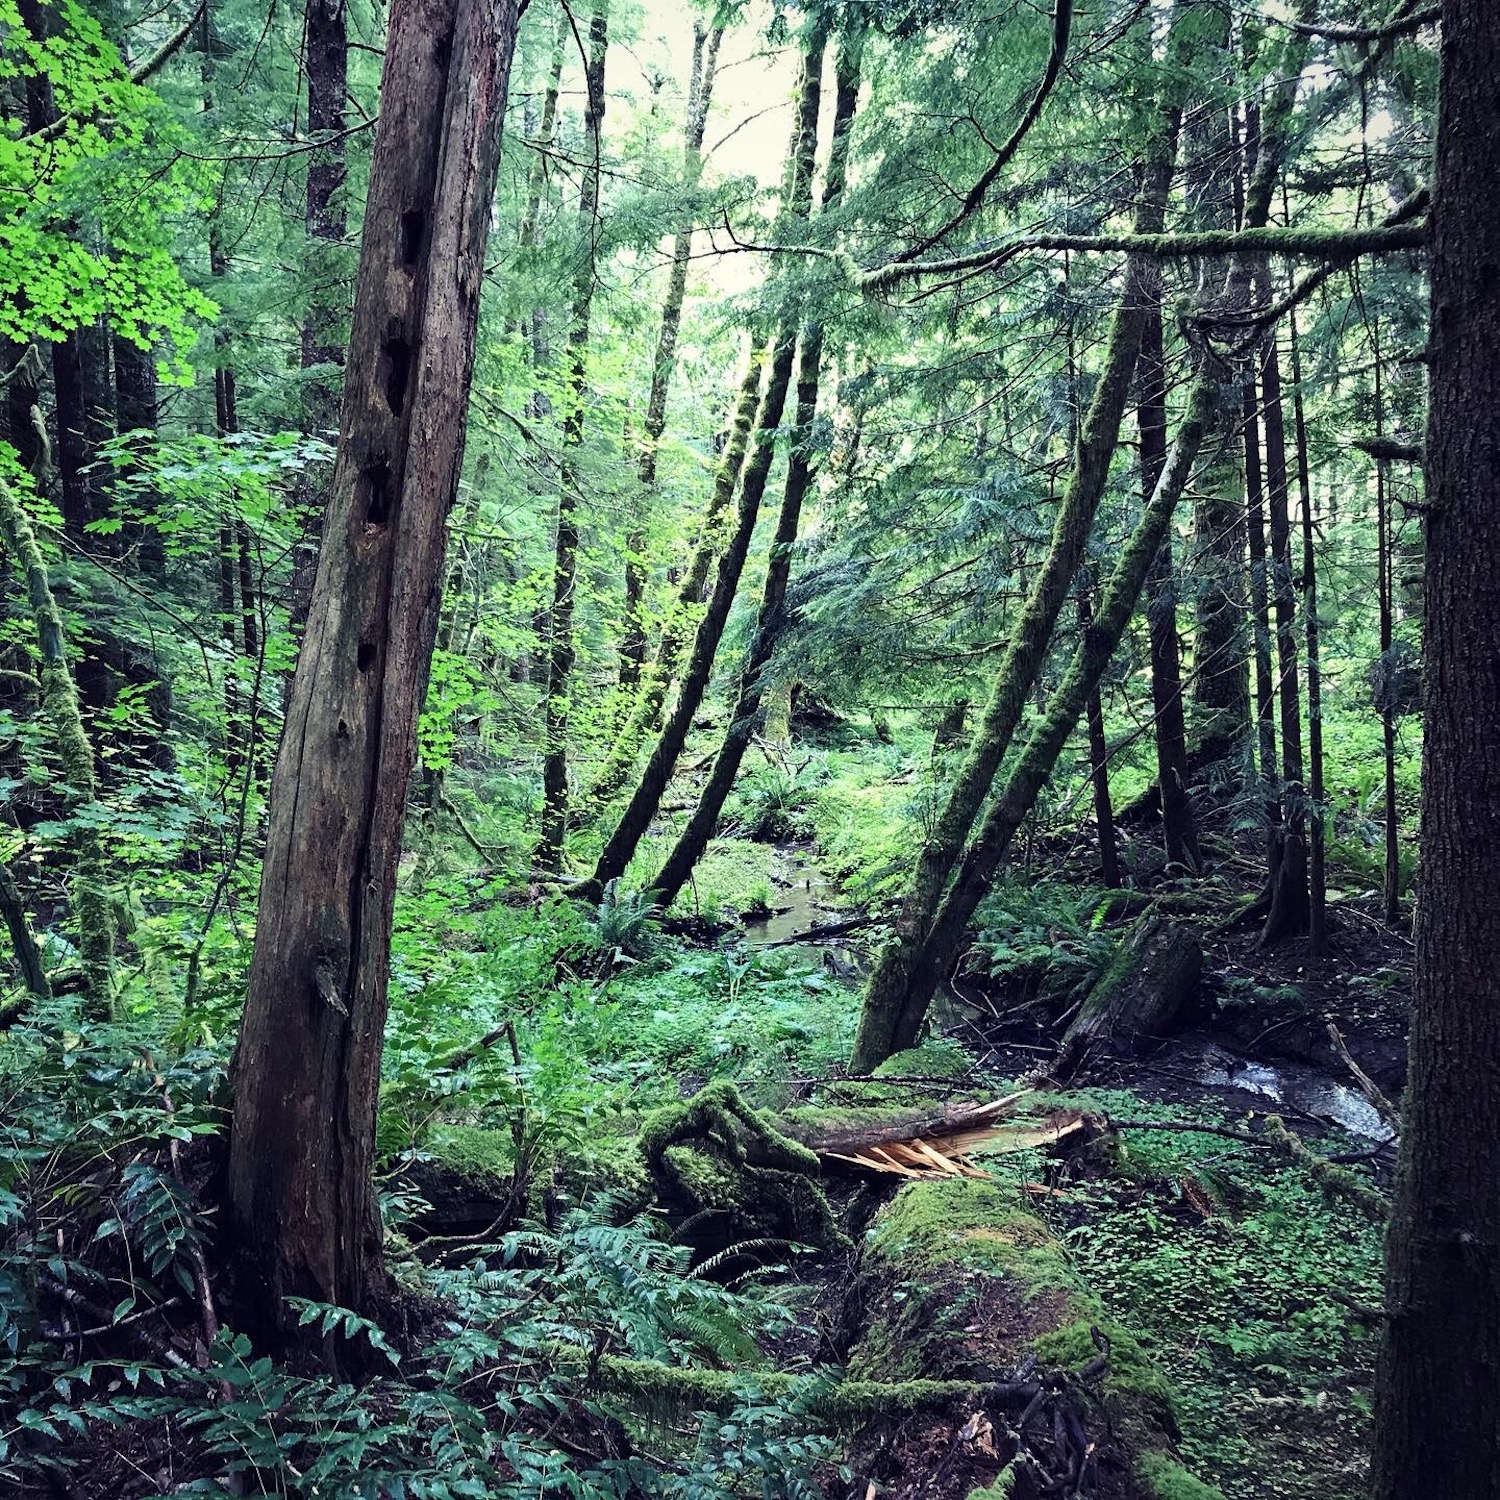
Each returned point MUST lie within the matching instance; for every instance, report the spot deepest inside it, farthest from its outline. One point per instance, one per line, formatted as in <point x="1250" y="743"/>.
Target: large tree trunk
<point x="645" y="800"/>
<point x="771" y="621"/>
<point x="300" y="1201"/>
<point x="700" y="96"/>
<point x="1039" y="754"/>
<point x="561" y="653"/>
<point x="1437" y="1427"/>
<point x="886" y="992"/>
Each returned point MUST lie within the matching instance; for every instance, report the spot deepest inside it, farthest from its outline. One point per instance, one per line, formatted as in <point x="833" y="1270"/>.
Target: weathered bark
<point x="772" y="619"/>
<point x="887" y="987"/>
<point x="85" y="421"/>
<point x="700" y="96"/>
<point x="1437" y="1398"/>
<point x="556" y="707"/>
<point x="1437" y="1395"/>
<point x="300" y="1203"/>
<point x="325" y="50"/>
<point x="1104" y="814"/>
<point x="1317" y="895"/>
<point x="1260" y="617"/>
<point x="1018" y="795"/>
<point x="1139" y="997"/>
<point x="1179" y="832"/>
<point x="643" y="804"/>
<point x="93" y="916"/>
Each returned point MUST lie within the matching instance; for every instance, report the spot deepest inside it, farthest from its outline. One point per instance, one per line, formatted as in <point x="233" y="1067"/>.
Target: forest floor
<point x="1235" y="1285"/>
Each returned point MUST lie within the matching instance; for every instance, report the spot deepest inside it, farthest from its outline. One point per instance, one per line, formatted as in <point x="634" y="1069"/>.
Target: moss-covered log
<point x="1140" y="995"/>
<point x="732" y="1176"/>
<point x="958" y="1283"/>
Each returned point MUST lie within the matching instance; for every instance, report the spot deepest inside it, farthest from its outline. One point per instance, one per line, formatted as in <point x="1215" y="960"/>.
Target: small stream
<point x="1192" y="1067"/>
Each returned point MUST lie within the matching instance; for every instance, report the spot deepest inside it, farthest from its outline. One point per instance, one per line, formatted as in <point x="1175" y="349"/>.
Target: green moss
<point x="1003" y="1487"/>
<point x="1166" y="1479"/>
<point x="1140" y="1399"/>
<point x="971" y="1224"/>
<point x="938" y="1058"/>
<point x="474" y="1152"/>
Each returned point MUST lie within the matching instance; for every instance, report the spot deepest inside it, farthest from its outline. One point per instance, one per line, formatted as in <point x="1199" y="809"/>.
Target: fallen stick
<point x="1367" y="1085"/>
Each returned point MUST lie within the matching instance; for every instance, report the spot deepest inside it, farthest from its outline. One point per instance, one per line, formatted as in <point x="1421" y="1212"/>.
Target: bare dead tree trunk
<point x="300" y="1201"/>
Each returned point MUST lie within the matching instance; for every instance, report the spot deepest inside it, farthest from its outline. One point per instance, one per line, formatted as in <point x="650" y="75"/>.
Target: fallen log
<point x="1138" y="998"/>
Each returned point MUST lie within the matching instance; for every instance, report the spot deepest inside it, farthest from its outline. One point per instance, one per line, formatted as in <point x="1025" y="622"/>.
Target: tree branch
<point x="1398" y="25"/>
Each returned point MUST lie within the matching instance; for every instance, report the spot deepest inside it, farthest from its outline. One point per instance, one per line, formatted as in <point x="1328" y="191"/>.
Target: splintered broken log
<point x="936" y="1144"/>
<point x="1139" y="997"/>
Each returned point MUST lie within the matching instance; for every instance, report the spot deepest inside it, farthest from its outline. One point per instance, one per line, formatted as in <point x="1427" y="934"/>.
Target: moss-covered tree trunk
<point x="700" y="97"/>
<point x="1018" y="795"/>
<point x="93" y="917"/>
<point x="1437" y="1405"/>
<point x="641" y="809"/>
<point x="557" y="701"/>
<point x="771" y="621"/>
<point x="886" y="992"/>
<point x="299" y="1197"/>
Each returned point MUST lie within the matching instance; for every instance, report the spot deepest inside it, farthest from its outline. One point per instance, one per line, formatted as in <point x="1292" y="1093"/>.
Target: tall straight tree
<point x="562" y="652"/>
<point x="299" y="1197"/>
<point x="1437" y="1406"/>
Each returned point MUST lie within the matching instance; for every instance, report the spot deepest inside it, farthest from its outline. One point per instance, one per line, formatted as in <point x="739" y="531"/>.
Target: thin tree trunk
<point x="325" y="46"/>
<point x="658" y="677"/>
<point x="771" y="621"/>
<point x="887" y="987"/>
<point x="1437" y="1401"/>
<point x="643" y="804"/>
<point x="1317" y="908"/>
<point x="700" y="97"/>
<point x="93" y="916"/>
<point x="1104" y="813"/>
<point x="27" y="423"/>
<point x="1038" y="756"/>
<point x="548" y="855"/>
<point x="28" y="956"/>
<point x="1179" y="832"/>
<point x="300" y="1201"/>
<point x="136" y="408"/>
<point x="1385" y="604"/>
<point x="1260" y="618"/>
<point x="1288" y="906"/>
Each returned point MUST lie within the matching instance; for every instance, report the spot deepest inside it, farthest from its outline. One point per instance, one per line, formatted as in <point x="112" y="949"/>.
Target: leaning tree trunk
<point x="300" y="1200"/>
<point x="645" y="800"/>
<point x="1437" y="1395"/>
<point x="700" y="96"/>
<point x="658" y="676"/>
<point x="1437" y="1402"/>
<point x="1038" y="756"/>
<point x="771" y="621"/>
<point x="886" y="992"/>
<point x="562" y="651"/>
